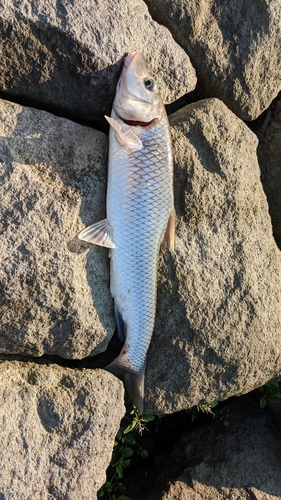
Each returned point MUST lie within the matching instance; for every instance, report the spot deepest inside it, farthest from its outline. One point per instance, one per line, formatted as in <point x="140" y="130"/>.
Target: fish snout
<point x="128" y="59"/>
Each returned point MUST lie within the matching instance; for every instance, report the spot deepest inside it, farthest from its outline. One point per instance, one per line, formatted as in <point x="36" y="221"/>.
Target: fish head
<point x="137" y="98"/>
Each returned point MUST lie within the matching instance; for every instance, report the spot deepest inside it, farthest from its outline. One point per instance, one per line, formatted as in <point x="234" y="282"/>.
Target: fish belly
<point x="139" y="202"/>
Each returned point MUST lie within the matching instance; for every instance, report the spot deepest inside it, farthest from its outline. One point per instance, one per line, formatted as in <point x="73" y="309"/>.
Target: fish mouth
<point x="128" y="59"/>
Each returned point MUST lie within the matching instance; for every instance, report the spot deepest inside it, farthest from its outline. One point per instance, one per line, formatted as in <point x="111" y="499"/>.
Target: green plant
<point x="138" y="421"/>
<point x="271" y="392"/>
<point x="224" y="414"/>
<point x="203" y="408"/>
<point x="215" y="409"/>
<point x="125" y="446"/>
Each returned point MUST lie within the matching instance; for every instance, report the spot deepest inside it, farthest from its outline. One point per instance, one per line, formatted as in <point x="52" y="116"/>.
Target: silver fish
<point x="140" y="214"/>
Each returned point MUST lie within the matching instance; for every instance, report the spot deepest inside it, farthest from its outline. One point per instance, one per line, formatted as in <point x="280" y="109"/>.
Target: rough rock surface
<point x="219" y="310"/>
<point x="54" y="296"/>
<point x="235" y="48"/>
<point x="239" y="461"/>
<point x="68" y="54"/>
<point x="57" y="430"/>
<point x="269" y="155"/>
<point x="218" y="321"/>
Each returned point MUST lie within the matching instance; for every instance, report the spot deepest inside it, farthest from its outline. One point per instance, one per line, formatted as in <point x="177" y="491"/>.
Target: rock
<point x="54" y="294"/>
<point x="235" y="48"/>
<point x="218" y="321"/>
<point x="218" y="318"/>
<point x="57" y="430"/>
<point x="238" y="461"/>
<point x="269" y="155"/>
<point x="68" y="54"/>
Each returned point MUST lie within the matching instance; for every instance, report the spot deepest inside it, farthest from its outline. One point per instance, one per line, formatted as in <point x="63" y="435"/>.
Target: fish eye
<point x="150" y="84"/>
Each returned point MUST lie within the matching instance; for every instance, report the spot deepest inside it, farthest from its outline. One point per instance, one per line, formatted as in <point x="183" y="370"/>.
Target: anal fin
<point x="99" y="233"/>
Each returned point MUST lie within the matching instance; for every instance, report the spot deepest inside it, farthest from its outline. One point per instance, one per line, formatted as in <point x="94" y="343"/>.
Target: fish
<point x="140" y="215"/>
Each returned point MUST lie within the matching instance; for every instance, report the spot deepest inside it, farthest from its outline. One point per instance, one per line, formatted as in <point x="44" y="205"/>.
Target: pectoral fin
<point x="169" y="236"/>
<point x="99" y="233"/>
<point x="127" y="138"/>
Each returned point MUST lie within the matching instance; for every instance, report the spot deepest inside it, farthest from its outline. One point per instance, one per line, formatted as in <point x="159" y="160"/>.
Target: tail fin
<point x="133" y="381"/>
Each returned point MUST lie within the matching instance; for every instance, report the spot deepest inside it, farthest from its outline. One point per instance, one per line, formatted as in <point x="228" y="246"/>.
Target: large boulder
<point x="238" y="460"/>
<point x="234" y="46"/>
<point x="57" y="430"/>
<point x="268" y="131"/>
<point x="68" y="54"/>
<point x="218" y="321"/>
<point x="54" y="295"/>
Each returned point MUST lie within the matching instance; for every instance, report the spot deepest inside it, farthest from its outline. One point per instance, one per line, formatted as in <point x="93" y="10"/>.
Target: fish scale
<point x="143" y="181"/>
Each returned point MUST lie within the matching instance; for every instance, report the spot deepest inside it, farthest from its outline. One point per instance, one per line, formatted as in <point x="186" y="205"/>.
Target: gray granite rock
<point x="68" y="54"/>
<point x="218" y="320"/>
<point x="238" y="459"/>
<point x="55" y="295"/>
<point x="57" y="430"/>
<point x="268" y="131"/>
<point x="234" y="46"/>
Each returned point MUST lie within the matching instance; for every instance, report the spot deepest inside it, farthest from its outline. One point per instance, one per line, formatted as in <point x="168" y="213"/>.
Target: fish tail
<point x="133" y="382"/>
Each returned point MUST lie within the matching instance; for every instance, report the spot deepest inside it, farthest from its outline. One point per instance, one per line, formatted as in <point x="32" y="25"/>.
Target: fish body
<point x="140" y="214"/>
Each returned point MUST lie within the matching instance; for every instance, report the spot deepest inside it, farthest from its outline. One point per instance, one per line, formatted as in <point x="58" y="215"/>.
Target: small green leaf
<point x="119" y="470"/>
<point x="127" y="452"/>
<point x="129" y="439"/>
<point x="214" y="403"/>
<point x="126" y="463"/>
<point x="121" y="488"/>
<point x="272" y="383"/>
<point x="147" y="418"/>
<point x="262" y="402"/>
<point x="144" y="454"/>
<point x="130" y="427"/>
<point x="119" y="433"/>
<point x="123" y="497"/>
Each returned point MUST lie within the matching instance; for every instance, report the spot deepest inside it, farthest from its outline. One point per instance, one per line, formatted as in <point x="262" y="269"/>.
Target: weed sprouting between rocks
<point x="271" y="392"/>
<point x="126" y="448"/>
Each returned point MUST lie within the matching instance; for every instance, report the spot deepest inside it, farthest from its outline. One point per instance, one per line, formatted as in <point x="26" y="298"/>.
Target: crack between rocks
<point x="92" y="362"/>
<point x="101" y="126"/>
